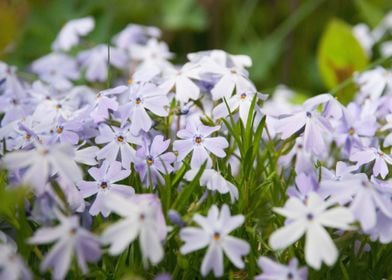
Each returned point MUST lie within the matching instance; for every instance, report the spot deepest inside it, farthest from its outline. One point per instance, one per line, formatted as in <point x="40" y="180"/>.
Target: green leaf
<point x="339" y="56"/>
<point x="185" y="194"/>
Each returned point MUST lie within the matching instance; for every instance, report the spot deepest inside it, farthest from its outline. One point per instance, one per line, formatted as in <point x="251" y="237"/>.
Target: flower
<point x="214" y="181"/>
<point x="71" y="31"/>
<point x="143" y="218"/>
<point x="196" y="138"/>
<point x="106" y="102"/>
<point x="47" y="68"/>
<point x="135" y="34"/>
<point x="44" y="161"/>
<point x="151" y="55"/>
<point x="118" y="140"/>
<point x="181" y="81"/>
<point x="366" y="197"/>
<point x="95" y="61"/>
<point x="12" y="266"/>
<point x="70" y="239"/>
<point x="307" y="118"/>
<point x="242" y="101"/>
<point x="369" y="154"/>
<point x="152" y="161"/>
<point x="310" y="219"/>
<point x="105" y="177"/>
<point x="276" y="271"/>
<point x="214" y="233"/>
<point x="143" y="97"/>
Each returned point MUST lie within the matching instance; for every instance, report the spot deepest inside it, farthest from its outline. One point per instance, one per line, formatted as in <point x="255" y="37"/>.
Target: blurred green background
<point x="281" y="36"/>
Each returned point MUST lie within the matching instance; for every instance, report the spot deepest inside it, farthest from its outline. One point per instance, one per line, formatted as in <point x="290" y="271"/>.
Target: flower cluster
<point x="150" y="170"/>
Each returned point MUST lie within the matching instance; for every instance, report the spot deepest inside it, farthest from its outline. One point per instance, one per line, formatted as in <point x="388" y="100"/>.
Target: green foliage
<point x="339" y="56"/>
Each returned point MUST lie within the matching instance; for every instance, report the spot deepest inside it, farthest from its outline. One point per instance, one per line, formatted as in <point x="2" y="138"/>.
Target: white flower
<point x="143" y="218"/>
<point x="214" y="181"/>
<point x="181" y="81"/>
<point x="310" y="219"/>
<point x="44" y="161"/>
<point x="242" y="101"/>
<point x="71" y="31"/>
<point x="214" y="233"/>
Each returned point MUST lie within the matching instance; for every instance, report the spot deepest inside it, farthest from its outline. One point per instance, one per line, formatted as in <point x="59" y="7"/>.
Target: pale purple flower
<point x="356" y="124"/>
<point x="135" y="34"/>
<point x="369" y="154"/>
<point x="105" y="103"/>
<point x="316" y="127"/>
<point x="214" y="181"/>
<point x="47" y="68"/>
<point x="12" y="266"/>
<point x="310" y="219"/>
<point x="304" y="160"/>
<point x="382" y="231"/>
<point x="118" y="141"/>
<point x="95" y="61"/>
<point x="141" y="217"/>
<point x="304" y="184"/>
<point x="196" y="138"/>
<point x="44" y="161"/>
<point x="388" y="127"/>
<point x="65" y="131"/>
<point x="71" y="239"/>
<point x="152" y="161"/>
<point x="276" y="271"/>
<point x="105" y="178"/>
<point x="143" y="97"/>
<point x="214" y="234"/>
<point x="71" y="32"/>
<point x="366" y="197"/>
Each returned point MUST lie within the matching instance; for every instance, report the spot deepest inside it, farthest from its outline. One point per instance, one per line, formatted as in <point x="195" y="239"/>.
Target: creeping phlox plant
<point x="126" y="165"/>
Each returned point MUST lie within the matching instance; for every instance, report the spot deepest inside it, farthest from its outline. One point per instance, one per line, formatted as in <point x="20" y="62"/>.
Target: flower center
<point x="142" y="217"/>
<point x="290" y="276"/>
<point x="243" y="96"/>
<point x="351" y="131"/>
<point x="198" y="139"/>
<point x="138" y="101"/>
<point x="59" y="129"/>
<point x="310" y="217"/>
<point x="149" y="160"/>
<point x="217" y="236"/>
<point x="72" y="231"/>
<point x="309" y="114"/>
<point x="104" y="185"/>
<point x="58" y="106"/>
<point x="120" y="139"/>
<point x="27" y="137"/>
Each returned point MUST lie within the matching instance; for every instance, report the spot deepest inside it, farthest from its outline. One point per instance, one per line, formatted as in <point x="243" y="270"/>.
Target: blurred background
<point x="283" y="37"/>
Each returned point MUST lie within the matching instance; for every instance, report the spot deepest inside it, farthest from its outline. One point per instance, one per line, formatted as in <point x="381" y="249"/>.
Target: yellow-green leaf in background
<point x="339" y="56"/>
